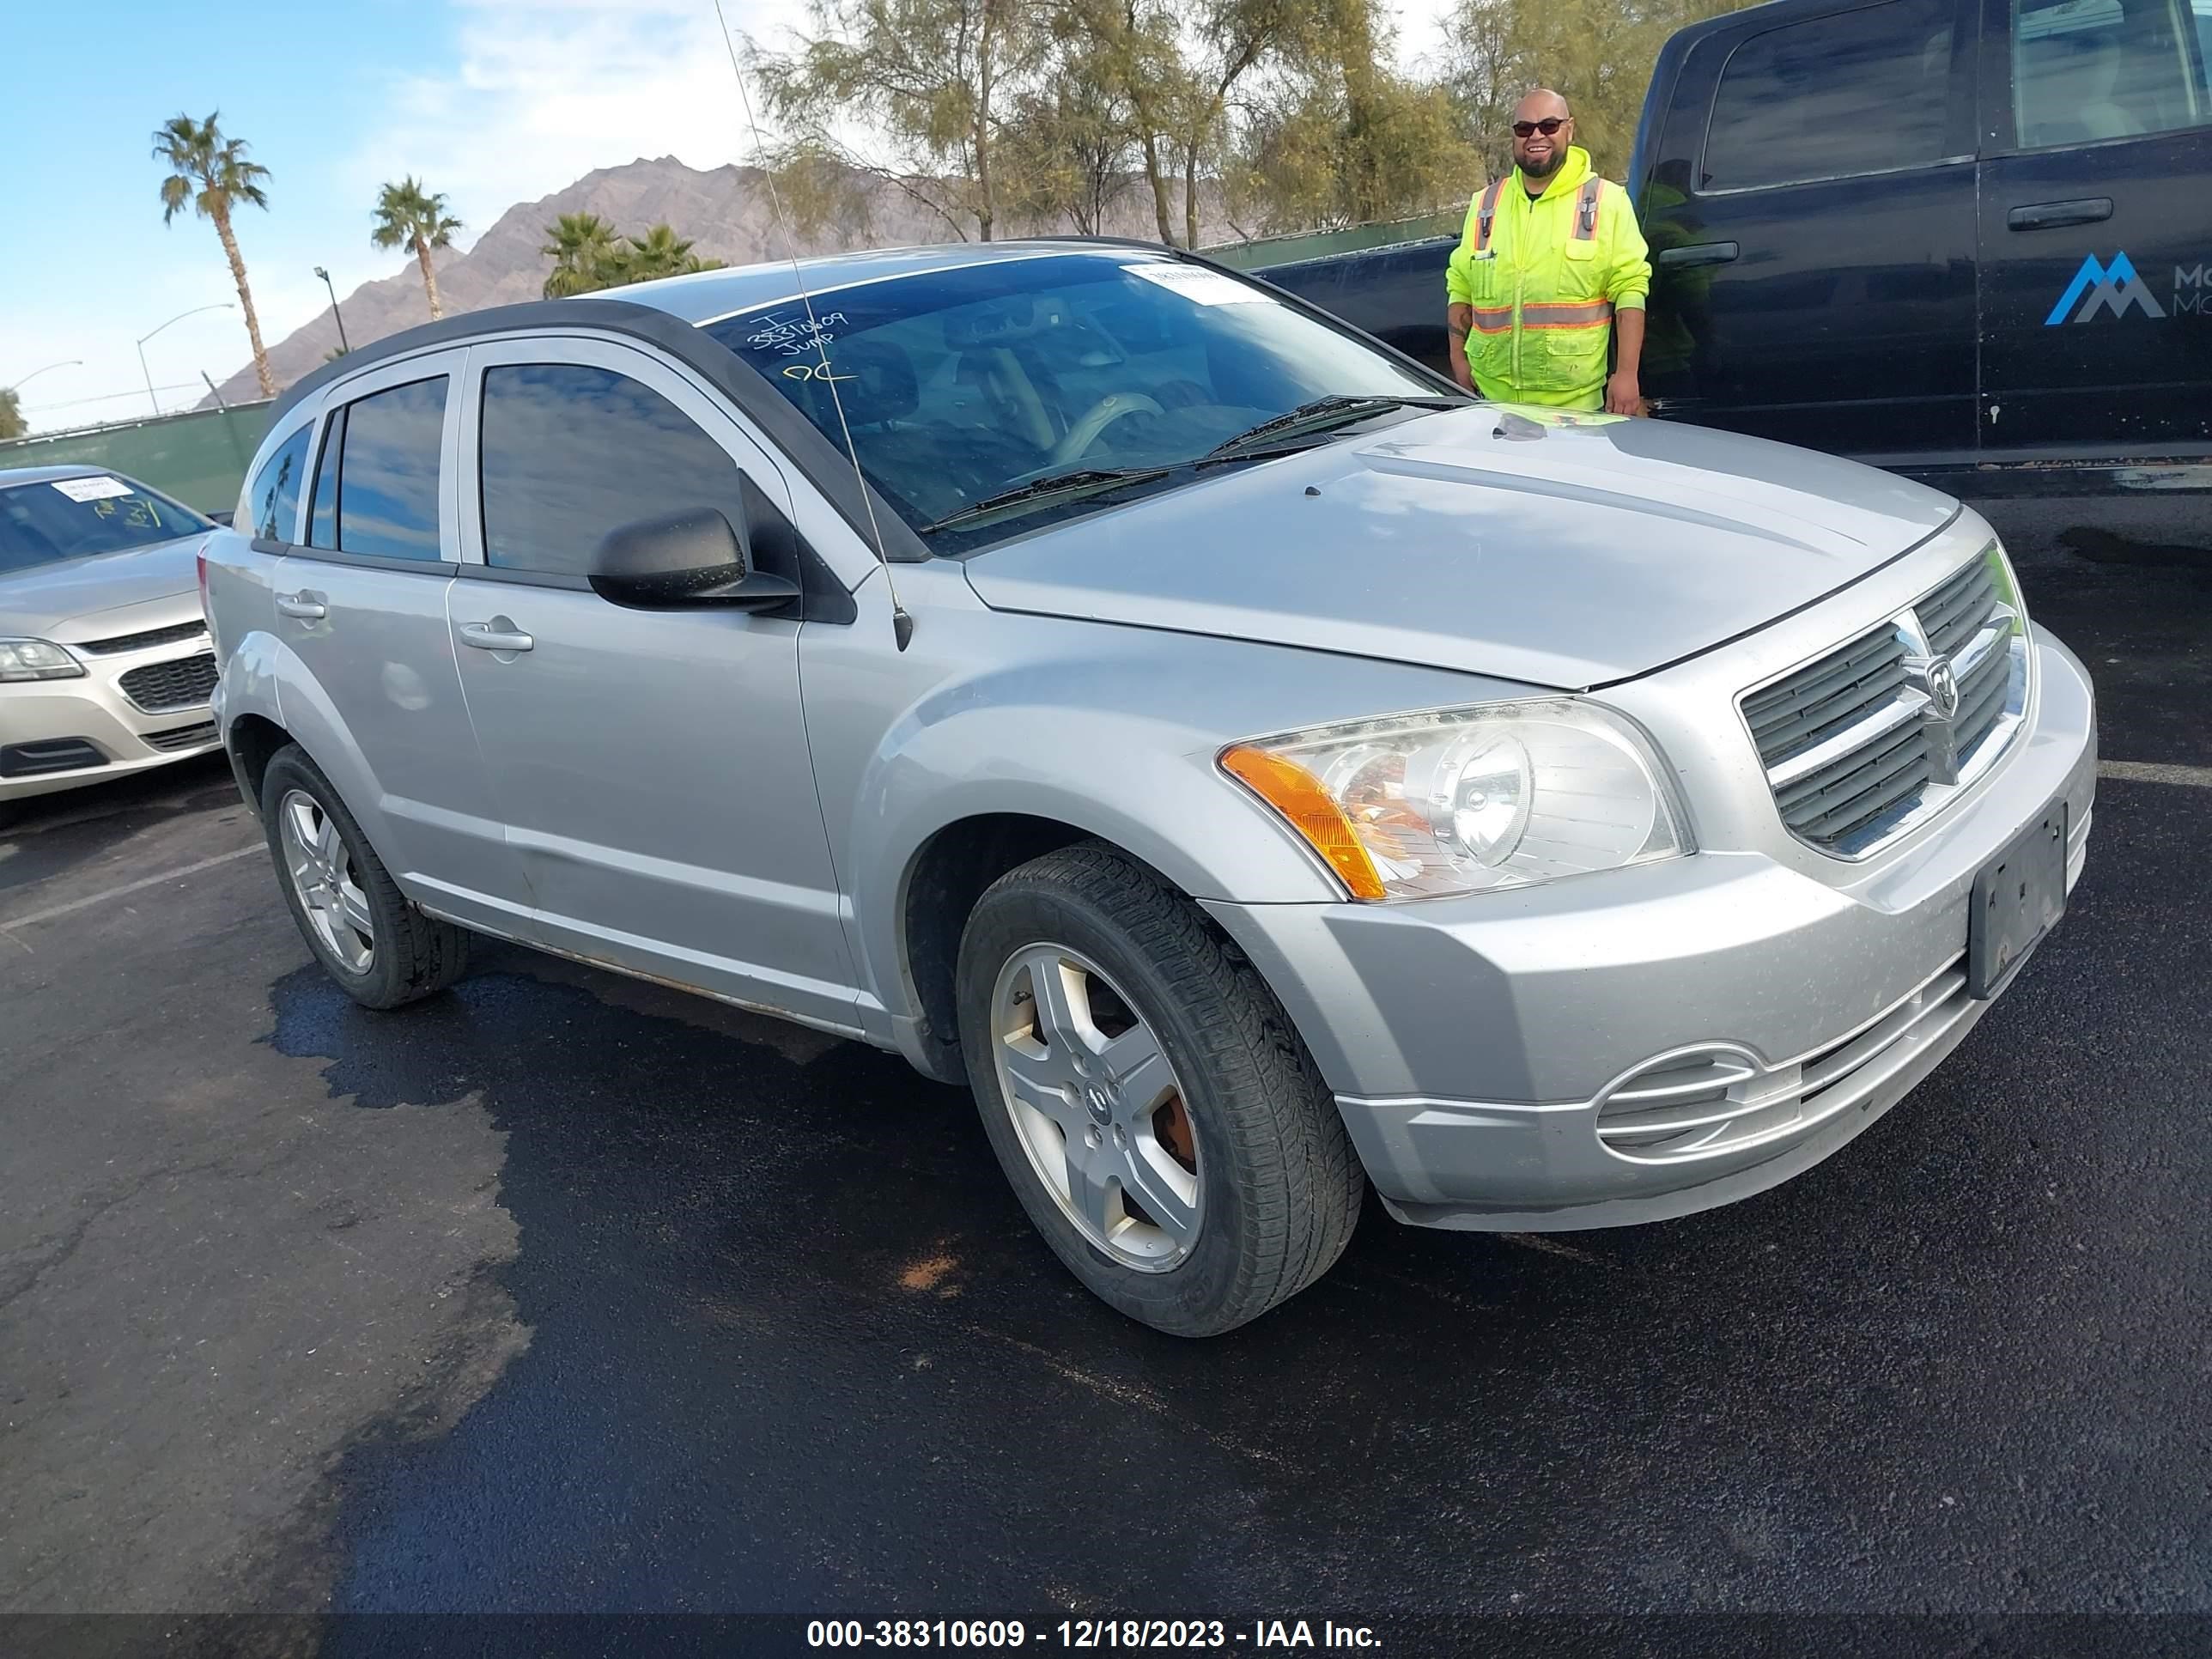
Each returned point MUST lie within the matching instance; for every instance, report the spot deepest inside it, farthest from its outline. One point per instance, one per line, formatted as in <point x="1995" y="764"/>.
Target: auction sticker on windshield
<point x="1207" y="288"/>
<point x="91" y="490"/>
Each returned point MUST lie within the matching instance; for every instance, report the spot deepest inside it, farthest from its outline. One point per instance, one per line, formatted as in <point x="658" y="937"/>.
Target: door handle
<point x="303" y="605"/>
<point x="1698" y="253"/>
<point x="487" y="637"/>
<point x="2050" y="216"/>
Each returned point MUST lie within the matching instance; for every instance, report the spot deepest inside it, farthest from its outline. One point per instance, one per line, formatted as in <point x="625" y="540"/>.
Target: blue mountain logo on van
<point x="2113" y="288"/>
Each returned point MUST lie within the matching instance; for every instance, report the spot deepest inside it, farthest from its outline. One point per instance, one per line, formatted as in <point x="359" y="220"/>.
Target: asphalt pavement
<point x="564" y="1292"/>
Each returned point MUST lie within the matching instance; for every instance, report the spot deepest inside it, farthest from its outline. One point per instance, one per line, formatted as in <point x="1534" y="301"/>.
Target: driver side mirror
<point x="683" y="561"/>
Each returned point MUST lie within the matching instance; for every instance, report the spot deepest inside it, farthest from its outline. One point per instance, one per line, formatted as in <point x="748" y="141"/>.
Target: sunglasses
<point x="1547" y="126"/>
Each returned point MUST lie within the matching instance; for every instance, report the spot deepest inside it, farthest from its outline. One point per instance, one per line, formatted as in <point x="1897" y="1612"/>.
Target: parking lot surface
<point x="565" y="1293"/>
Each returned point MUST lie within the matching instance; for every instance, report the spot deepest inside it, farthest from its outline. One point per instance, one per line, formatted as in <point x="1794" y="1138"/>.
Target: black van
<point x="1928" y="234"/>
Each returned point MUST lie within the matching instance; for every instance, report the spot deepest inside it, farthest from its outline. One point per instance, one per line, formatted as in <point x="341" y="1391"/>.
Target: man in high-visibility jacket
<point x="1551" y="271"/>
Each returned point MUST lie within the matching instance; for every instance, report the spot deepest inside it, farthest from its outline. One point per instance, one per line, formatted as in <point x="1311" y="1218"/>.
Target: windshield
<point x="60" y="519"/>
<point x="960" y="386"/>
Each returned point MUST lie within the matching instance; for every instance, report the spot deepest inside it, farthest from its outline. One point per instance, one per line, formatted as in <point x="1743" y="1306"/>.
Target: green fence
<point x="1286" y="250"/>
<point x="200" y="458"/>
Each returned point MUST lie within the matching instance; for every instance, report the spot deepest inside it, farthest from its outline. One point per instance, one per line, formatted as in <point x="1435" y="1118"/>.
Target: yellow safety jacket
<point x="1544" y="277"/>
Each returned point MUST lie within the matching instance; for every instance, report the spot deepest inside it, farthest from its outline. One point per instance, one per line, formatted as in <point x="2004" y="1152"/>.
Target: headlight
<point x="1466" y="800"/>
<point x="35" y="660"/>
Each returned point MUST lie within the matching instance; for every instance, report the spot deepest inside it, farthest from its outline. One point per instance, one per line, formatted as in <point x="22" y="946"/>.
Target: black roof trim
<point x="826" y="467"/>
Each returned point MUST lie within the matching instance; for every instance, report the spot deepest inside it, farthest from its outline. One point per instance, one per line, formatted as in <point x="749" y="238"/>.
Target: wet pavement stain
<point x="732" y="1398"/>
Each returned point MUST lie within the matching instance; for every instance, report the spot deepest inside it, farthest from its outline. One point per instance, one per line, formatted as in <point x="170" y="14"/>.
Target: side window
<point x="569" y="453"/>
<point x="274" y="501"/>
<point x="388" y="497"/>
<point x="1858" y="92"/>
<point x="323" y="505"/>
<point x="2086" y="69"/>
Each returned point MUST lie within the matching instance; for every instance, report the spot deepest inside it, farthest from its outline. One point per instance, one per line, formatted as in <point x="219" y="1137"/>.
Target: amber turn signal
<point x="1298" y="795"/>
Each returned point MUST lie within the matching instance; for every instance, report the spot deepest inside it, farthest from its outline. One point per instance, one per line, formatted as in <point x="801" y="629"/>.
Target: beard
<point x="1546" y="167"/>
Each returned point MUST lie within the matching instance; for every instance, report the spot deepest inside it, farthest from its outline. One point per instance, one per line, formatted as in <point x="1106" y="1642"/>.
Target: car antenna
<point x="902" y="623"/>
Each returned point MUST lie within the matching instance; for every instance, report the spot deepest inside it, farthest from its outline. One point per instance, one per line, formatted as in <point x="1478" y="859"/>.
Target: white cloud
<point x="544" y="91"/>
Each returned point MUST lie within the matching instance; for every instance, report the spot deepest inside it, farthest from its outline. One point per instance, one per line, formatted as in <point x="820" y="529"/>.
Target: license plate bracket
<point x="2018" y="896"/>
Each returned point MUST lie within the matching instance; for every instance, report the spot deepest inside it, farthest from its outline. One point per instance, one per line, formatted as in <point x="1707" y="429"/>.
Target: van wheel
<point x="1157" y="1113"/>
<point x="368" y="938"/>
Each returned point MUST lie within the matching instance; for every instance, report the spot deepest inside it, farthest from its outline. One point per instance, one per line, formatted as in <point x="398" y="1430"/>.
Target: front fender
<point x="1112" y="731"/>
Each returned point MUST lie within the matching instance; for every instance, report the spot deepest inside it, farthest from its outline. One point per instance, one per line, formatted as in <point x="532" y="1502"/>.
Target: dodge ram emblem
<point x="1942" y="689"/>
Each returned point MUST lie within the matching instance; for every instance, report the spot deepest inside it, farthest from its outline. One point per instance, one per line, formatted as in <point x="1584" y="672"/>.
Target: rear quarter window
<point x="272" y="501"/>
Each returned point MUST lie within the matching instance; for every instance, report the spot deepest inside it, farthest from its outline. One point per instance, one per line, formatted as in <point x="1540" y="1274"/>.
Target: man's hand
<point x="1458" y="320"/>
<point x="1622" y="394"/>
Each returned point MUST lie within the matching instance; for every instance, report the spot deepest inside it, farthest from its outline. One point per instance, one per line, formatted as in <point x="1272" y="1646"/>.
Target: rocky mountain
<point x="727" y="211"/>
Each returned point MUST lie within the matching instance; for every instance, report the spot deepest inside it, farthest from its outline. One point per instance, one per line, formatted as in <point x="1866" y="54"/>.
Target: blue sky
<point x="491" y="101"/>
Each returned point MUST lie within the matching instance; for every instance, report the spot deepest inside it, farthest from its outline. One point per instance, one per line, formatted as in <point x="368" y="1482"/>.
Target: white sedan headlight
<point x="1468" y="800"/>
<point x="35" y="660"/>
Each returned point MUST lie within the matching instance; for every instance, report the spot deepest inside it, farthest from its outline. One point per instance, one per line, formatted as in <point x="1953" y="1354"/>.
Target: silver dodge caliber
<point x="1258" y="769"/>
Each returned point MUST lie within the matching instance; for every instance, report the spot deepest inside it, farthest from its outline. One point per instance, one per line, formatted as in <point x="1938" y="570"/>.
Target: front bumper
<point x="59" y="734"/>
<point x="1475" y="1045"/>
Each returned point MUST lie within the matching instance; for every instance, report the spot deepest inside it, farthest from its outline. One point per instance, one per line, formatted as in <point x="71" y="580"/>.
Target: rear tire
<point x="381" y="949"/>
<point x="1084" y="964"/>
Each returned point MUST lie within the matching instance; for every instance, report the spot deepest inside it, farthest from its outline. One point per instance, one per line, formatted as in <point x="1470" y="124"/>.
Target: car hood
<point x="90" y="599"/>
<point x="1508" y="543"/>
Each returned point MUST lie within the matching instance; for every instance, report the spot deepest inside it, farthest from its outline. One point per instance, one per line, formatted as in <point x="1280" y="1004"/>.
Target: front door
<point x="1810" y="209"/>
<point x="652" y="765"/>
<point x="2096" y="229"/>
<point x="362" y="605"/>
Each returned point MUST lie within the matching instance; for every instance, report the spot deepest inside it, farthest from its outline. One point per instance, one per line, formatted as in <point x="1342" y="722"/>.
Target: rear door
<point x="362" y="604"/>
<point x="2096" y="228"/>
<point x="1810" y="210"/>
<point x="652" y="765"/>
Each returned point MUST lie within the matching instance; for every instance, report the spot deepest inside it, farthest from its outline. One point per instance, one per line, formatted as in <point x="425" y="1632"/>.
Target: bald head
<point x="1536" y="152"/>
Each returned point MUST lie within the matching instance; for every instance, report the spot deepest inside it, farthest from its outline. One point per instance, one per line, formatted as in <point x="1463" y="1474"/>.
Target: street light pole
<point x="67" y="362"/>
<point x="343" y="348"/>
<point x="220" y="305"/>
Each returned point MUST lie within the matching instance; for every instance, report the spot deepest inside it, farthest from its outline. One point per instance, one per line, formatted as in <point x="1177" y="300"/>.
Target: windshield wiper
<point x="1061" y="486"/>
<point x="1319" y="416"/>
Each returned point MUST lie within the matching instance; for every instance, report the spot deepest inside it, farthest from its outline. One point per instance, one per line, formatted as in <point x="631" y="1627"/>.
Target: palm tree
<point x="580" y="245"/>
<point x="661" y="253"/>
<point x="409" y="216"/>
<point x="209" y="173"/>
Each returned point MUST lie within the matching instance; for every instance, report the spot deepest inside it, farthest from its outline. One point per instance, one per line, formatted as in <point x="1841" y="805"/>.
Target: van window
<point x="388" y="471"/>
<point x="274" y="501"/>
<point x="1864" y="91"/>
<point x="570" y="452"/>
<point x="2086" y="69"/>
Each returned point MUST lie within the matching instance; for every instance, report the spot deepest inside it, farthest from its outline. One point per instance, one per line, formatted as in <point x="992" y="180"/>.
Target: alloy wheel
<point x="1096" y="1107"/>
<point x="323" y="876"/>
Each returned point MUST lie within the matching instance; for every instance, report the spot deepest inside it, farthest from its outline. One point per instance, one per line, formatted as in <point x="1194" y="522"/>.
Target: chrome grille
<point x="153" y="636"/>
<point x="1950" y="616"/>
<point x="1864" y="742"/>
<point x="184" y="684"/>
<point x="1833" y="692"/>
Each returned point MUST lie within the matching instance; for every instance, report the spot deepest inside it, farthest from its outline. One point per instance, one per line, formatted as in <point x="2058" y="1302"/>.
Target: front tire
<point x="380" y="948"/>
<point x="1159" y="1117"/>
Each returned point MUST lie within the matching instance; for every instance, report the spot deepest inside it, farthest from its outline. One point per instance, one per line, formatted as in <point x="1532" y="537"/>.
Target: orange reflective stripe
<point x="1492" y="322"/>
<point x="1594" y="313"/>
<point x="1484" y="215"/>
<point x="1586" y="210"/>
